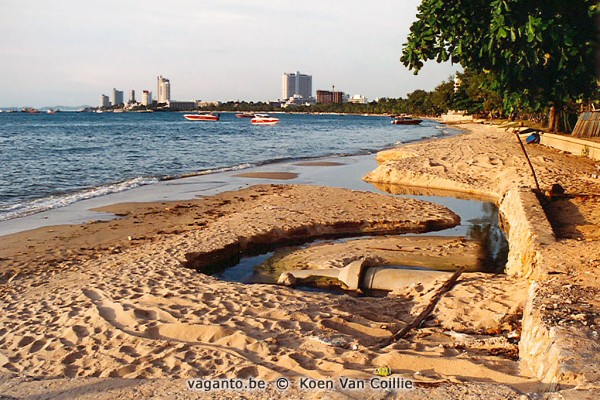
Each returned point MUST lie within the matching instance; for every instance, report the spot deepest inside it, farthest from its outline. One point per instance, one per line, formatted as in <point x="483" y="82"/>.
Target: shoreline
<point x="202" y="181"/>
<point x="178" y="322"/>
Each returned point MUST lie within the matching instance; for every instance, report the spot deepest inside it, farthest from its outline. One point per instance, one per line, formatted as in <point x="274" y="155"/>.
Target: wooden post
<point x="446" y="286"/>
<point x="537" y="185"/>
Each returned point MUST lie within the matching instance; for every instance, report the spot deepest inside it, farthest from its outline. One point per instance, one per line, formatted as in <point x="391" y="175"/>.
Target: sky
<point x="69" y="52"/>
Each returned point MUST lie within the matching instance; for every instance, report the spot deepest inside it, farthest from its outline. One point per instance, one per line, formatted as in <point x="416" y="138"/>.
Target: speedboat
<point x="404" y="120"/>
<point x="202" y="117"/>
<point x="264" y="119"/>
<point x="245" y="115"/>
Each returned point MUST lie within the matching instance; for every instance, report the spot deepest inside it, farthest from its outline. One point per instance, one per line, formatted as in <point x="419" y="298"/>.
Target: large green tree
<point x="536" y="53"/>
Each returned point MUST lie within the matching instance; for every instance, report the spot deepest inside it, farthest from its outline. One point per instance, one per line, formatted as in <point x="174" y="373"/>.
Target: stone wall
<point x="527" y="229"/>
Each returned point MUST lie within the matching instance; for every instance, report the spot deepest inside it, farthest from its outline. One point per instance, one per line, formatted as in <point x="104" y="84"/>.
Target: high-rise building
<point x="164" y="89"/>
<point x="104" y="101"/>
<point x="146" y="97"/>
<point x="117" y="97"/>
<point x="132" y="96"/>
<point x="297" y="84"/>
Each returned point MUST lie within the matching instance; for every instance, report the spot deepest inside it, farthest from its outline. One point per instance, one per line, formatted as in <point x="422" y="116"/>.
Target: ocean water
<point x="52" y="160"/>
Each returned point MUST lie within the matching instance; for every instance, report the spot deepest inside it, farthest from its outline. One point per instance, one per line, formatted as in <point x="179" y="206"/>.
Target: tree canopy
<point x="535" y="52"/>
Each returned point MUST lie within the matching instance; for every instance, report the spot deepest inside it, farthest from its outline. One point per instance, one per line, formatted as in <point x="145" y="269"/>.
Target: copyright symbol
<point x="282" y="384"/>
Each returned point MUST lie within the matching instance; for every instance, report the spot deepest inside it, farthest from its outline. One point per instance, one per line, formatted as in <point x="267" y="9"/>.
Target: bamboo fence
<point x="588" y="125"/>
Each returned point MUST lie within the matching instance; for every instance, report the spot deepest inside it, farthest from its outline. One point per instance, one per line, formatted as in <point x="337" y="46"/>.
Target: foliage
<point x="441" y="99"/>
<point x="534" y="53"/>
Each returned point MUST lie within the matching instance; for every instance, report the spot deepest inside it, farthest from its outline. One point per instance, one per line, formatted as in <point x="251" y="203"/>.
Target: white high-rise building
<point x="117" y="97"/>
<point x="164" y="90"/>
<point x="146" y="97"/>
<point x="104" y="101"/>
<point x="297" y="84"/>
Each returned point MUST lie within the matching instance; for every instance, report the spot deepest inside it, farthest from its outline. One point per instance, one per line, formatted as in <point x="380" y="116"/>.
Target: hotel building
<point x="146" y="97"/>
<point x="117" y="96"/>
<point x="104" y="101"/>
<point x="164" y="90"/>
<point x="297" y="84"/>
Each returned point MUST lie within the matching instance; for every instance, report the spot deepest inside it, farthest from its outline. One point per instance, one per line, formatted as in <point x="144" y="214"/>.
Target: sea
<point x="49" y="161"/>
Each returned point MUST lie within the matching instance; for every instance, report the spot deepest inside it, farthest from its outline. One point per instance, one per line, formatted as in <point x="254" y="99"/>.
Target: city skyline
<point x="67" y="53"/>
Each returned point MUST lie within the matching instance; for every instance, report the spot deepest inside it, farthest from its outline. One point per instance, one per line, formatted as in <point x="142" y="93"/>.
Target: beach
<point x="120" y="307"/>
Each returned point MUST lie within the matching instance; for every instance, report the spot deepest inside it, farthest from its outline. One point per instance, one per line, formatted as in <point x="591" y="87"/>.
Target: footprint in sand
<point x="26" y="340"/>
<point x="145" y="314"/>
<point x="81" y="331"/>
<point x="37" y="346"/>
<point x="72" y="357"/>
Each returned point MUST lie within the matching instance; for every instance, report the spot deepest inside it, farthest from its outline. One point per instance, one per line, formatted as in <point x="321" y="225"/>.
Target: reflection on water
<point x="478" y="216"/>
<point x="487" y="231"/>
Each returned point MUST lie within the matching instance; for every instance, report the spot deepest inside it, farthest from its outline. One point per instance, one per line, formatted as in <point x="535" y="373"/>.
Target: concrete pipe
<point x="358" y="274"/>
<point x="390" y="278"/>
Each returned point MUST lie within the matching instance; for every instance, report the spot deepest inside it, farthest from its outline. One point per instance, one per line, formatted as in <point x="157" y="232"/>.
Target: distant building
<point x="104" y="101"/>
<point x="297" y="100"/>
<point x="326" y="97"/>
<point x="117" y="97"/>
<point x="297" y="84"/>
<point x="357" y="99"/>
<point x="132" y="96"/>
<point x="164" y="90"/>
<point x="181" y="105"/>
<point x="205" y="103"/>
<point x="146" y="97"/>
<point x="457" y="83"/>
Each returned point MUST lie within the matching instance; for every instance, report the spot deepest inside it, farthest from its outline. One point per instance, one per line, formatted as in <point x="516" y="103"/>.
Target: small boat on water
<point x="264" y="119"/>
<point x="206" y="116"/>
<point x="30" y="110"/>
<point x="245" y="115"/>
<point x="405" y="120"/>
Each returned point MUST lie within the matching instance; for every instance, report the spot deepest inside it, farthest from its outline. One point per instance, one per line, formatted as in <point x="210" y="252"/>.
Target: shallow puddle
<point x="479" y="223"/>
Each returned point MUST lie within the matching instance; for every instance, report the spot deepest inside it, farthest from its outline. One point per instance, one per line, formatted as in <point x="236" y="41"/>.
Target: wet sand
<point x="269" y="175"/>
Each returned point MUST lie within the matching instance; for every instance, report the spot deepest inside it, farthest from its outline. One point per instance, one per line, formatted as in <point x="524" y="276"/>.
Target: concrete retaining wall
<point x="527" y="229"/>
<point x="576" y="146"/>
<point x="528" y="232"/>
<point x="559" y="354"/>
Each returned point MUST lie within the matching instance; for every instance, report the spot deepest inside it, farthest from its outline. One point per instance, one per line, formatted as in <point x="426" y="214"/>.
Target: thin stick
<point x="446" y="286"/>
<point x="537" y="185"/>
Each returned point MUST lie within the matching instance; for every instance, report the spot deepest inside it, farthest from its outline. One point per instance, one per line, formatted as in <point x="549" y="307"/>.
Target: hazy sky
<point x="70" y="52"/>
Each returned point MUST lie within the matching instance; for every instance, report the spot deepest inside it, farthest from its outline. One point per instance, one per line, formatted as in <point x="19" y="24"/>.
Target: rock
<point x="557" y="189"/>
<point x="287" y="279"/>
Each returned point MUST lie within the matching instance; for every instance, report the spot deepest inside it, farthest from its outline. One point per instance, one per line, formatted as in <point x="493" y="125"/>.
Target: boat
<point x="264" y="119"/>
<point x="30" y="110"/>
<point x="206" y="116"/>
<point x="245" y="115"/>
<point x="405" y="120"/>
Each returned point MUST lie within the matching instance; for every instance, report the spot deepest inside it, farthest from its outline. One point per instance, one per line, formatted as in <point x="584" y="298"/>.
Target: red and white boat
<point x="405" y="120"/>
<point x="245" y="115"/>
<point x="264" y="119"/>
<point x="202" y="117"/>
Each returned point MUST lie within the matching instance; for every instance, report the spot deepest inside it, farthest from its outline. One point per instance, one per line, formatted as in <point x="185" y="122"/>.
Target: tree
<point x="535" y="52"/>
<point x="442" y="97"/>
<point x="419" y="102"/>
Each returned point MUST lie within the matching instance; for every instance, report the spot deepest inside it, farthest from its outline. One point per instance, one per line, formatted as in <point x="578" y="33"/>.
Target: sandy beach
<point x="121" y="309"/>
